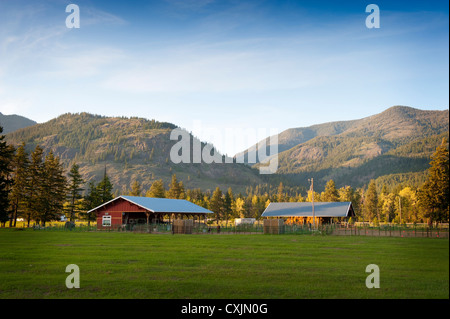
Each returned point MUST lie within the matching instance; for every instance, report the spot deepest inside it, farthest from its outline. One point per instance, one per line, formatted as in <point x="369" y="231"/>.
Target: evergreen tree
<point x="136" y="189"/>
<point x="280" y="193"/>
<point x="104" y="189"/>
<point x="18" y="195"/>
<point x="175" y="189"/>
<point x="370" y="208"/>
<point x="54" y="190"/>
<point x="74" y="191"/>
<point x="388" y="209"/>
<point x="217" y="203"/>
<point x="331" y="193"/>
<point x="35" y="184"/>
<point x="434" y="194"/>
<point x="227" y="204"/>
<point x="257" y="206"/>
<point x="182" y="191"/>
<point x="157" y="189"/>
<point x="357" y="201"/>
<point x="91" y="200"/>
<point x="6" y="157"/>
<point x="346" y="194"/>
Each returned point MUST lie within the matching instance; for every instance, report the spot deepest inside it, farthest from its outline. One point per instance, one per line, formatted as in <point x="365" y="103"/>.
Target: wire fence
<point x="388" y="230"/>
<point x="394" y="231"/>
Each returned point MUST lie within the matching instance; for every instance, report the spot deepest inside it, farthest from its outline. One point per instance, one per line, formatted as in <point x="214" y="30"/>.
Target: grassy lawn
<point x="131" y="265"/>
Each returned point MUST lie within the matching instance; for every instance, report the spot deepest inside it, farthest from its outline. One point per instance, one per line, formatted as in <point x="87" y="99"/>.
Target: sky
<point x="223" y="66"/>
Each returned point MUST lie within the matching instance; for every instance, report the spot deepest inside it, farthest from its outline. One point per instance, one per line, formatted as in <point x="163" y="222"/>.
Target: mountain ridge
<point x="397" y="142"/>
<point x="294" y="136"/>
<point x="14" y="122"/>
<point x="368" y="148"/>
<point x="131" y="149"/>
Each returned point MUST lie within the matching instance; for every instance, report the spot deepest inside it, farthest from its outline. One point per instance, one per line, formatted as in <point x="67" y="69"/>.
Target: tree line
<point x="35" y="187"/>
<point x="402" y="204"/>
<point x="406" y="204"/>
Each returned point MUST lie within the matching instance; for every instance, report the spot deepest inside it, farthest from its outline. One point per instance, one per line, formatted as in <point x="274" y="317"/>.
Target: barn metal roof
<point x="304" y="209"/>
<point x="162" y="205"/>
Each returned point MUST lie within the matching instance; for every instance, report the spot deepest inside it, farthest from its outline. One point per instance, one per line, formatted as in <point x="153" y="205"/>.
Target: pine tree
<point x="18" y="195"/>
<point x="54" y="189"/>
<point x="175" y="191"/>
<point x="157" y="190"/>
<point x="346" y="194"/>
<point x="74" y="191"/>
<point x="6" y="157"/>
<point x="388" y="209"/>
<point x="370" y="208"/>
<point x="434" y="194"/>
<point x="104" y="189"/>
<point x="136" y="189"/>
<point x="35" y="184"/>
<point x="217" y="203"/>
<point x="182" y="191"/>
<point x="280" y="193"/>
<point x="330" y="194"/>
<point x="227" y="204"/>
<point x="91" y="200"/>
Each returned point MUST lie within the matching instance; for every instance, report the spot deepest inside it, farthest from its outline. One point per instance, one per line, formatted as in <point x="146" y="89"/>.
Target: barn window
<point x="106" y="221"/>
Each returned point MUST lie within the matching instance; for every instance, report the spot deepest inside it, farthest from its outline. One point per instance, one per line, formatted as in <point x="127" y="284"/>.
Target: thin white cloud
<point x="94" y="16"/>
<point x="86" y="63"/>
<point x="211" y="73"/>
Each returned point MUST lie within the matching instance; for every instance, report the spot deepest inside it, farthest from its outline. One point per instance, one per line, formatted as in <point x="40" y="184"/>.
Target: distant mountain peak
<point x="398" y="140"/>
<point x="132" y="149"/>
<point x="14" y="122"/>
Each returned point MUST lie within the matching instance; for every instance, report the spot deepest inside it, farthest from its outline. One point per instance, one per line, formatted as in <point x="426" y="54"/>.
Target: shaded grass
<point x="128" y="265"/>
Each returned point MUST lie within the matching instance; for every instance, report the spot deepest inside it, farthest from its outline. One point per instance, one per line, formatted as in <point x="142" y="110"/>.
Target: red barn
<point x="130" y="210"/>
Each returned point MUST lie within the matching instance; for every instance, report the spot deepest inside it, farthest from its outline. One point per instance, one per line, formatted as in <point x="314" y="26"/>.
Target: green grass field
<point x="132" y="265"/>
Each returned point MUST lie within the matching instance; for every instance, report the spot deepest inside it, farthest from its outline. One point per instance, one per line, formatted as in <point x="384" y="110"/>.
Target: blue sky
<point x="225" y="64"/>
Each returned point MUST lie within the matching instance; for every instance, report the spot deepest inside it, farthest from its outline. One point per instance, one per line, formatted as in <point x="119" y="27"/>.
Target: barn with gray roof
<point x="324" y="211"/>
